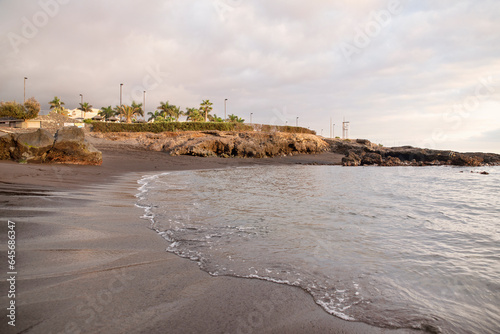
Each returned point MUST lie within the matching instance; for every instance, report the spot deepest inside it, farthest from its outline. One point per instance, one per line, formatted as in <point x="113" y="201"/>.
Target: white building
<point x="77" y="113"/>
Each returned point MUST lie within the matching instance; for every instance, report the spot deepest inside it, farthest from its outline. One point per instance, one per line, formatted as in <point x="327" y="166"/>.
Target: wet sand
<point x="87" y="263"/>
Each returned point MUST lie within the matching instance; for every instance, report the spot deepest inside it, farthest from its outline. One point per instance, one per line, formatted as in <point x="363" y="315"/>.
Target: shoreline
<point x="88" y="262"/>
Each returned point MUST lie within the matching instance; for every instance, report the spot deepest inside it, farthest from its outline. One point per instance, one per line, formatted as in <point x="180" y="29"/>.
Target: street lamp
<point x="297" y="121"/>
<point x="121" y="85"/>
<point x="251" y="117"/>
<point x="144" y="103"/>
<point x="81" y="103"/>
<point x="225" y="117"/>
<point x="25" y="78"/>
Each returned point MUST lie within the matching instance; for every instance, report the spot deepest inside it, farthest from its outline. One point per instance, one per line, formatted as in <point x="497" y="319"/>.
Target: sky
<point x="401" y="72"/>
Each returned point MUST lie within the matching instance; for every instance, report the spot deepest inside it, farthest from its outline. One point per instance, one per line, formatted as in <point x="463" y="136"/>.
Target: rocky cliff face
<point x="362" y="152"/>
<point x="222" y="144"/>
<point x="68" y="146"/>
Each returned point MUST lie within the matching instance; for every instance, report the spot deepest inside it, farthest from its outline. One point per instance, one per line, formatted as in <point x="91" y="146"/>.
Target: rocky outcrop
<point x="249" y="145"/>
<point x="222" y="144"/>
<point x="69" y="146"/>
<point x="362" y="152"/>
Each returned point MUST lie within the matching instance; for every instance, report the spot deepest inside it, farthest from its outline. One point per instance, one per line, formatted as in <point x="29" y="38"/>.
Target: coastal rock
<point x="40" y="146"/>
<point x="464" y="160"/>
<point x="392" y="161"/>
<point x="256" y="145"/>
<point x="371" y="159"/>
<point x="250" y="144"/>
<point x="7" y="145"/>
<point x="33" y="146"/>
<point x="71" y="147"/>
<point x="371" y="154"/>
<point x="352" y="159"/>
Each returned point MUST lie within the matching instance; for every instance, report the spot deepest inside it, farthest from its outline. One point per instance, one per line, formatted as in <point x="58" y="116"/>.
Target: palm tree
<point x="164" y="108"/>
<point x="206" y="107"/>
<point x="193" y="115"/>
<point x="176" y="112"/>
<point x="215" y="118"/>
<point x="57" y="105"/>
<point x="135" y="105"/>
<point x="85" y="107"/>
<point x="154" y="115"/>
<point x="235" y="119"/>
<point x="107" y="112"/>
<point x="128" y="112"/>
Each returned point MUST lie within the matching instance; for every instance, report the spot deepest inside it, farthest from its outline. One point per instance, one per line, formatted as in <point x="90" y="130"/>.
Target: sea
<point x="394" y="247"/>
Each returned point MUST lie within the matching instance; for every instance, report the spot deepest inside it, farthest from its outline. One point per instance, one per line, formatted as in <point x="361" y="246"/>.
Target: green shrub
<point x="158" y="127"/>
<point x="87" y="121"/>
<point x="31" y="108"/>
<point x="13" y="109"/>
<point x="287" y="129"/>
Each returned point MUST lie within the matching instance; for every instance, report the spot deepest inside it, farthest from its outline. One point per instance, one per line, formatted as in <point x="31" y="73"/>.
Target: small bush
<point x="87" y="121"/>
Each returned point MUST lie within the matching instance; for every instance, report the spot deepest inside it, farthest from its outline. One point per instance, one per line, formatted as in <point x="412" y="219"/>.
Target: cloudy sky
<point x="418" y="72"/>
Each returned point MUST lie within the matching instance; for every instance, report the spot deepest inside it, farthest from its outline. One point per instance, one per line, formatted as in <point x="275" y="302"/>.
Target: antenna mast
<point x="345" y="129"/>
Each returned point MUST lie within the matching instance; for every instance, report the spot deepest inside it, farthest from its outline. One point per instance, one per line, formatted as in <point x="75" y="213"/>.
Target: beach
<point x="87" y="263"/>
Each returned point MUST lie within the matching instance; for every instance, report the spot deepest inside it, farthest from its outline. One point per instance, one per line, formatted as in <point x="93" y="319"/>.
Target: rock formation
<point x="223" y="144"/>
<point x="362" y="152"/>
<point x="69" y="146"/>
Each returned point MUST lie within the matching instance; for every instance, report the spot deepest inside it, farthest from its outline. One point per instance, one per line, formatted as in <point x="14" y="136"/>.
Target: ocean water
<point x="399" y="247"/>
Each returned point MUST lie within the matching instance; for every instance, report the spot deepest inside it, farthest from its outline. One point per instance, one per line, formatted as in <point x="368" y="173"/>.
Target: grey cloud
<point x="266" y="56"/>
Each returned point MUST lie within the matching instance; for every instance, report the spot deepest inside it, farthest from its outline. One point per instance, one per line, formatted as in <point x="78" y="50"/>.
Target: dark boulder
<point x="33" y="146"/>
<point x="71" y="147"/>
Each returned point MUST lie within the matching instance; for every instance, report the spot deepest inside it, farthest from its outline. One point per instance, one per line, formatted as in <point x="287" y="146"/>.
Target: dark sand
<point x="87" y="263"/>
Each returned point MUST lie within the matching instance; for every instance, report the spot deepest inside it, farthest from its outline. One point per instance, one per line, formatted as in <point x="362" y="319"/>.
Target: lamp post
<point x="121" y="85"/>
<point x="144" y="103"/>
<point x="251" y="118"/>
<point x="25" y="78"/>
<point x="297" y="121"/>
<point x="81" y="103"/>
<point x="225" y="103"/>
